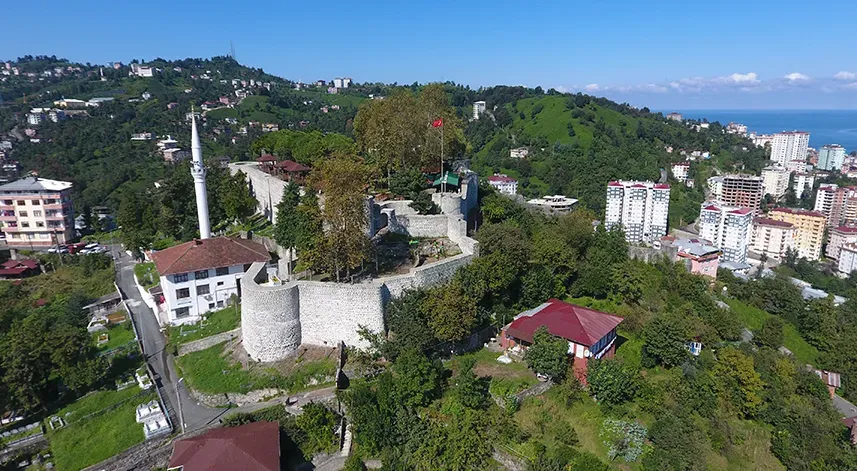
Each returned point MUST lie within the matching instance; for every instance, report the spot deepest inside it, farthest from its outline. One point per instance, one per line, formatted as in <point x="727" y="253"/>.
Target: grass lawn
<point x="213" y="371"/>
<point x="505" y="379"/>
<point x="263" y="117"/>
<point x="753" y="318"/>
<point x="218" y="321"/>
<point x="147" y="275"/>
<point x="119" y="335"/>
<point x="89" y="439"/>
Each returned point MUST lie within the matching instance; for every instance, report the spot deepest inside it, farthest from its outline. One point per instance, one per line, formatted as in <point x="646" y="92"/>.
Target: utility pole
<point x="179" y="401"/>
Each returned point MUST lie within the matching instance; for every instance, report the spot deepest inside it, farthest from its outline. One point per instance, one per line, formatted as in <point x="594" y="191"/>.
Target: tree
<point x="771" y="332"/>
<point x="234" y="194"/>
<point x="548" y="354"/>
<point x="342" y="181"/>
<point x="450" y="312"/>
<point x="416" y="379"/>
<point x="317" y="423"/>
<point x="739" y="383"/>
<point x="611" y="382"/>
<point x="666" y="340"/>
<point x="423" y="204"/>
<point x="288" y="224"/>
<point x="470" y="390"/>
<point x="586" y="461"/>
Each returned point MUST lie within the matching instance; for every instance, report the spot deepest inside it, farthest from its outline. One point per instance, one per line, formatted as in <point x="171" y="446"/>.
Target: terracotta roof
<point x="711" y="207"/>
<point x="250" y="447"/>
<point x="802" y="212"/>
<point x="772" y="222"/>
<point x="579" y="324"/>
<point x="614" y="183"/>
<point x="267" y="158"/>
<point x="208" y="253"/>
<point x="661" y="186"/>
<point x="846" y="229"/>
<point x="741" y="211"/>
<point x="499" y="178"/>
<point x="291" y="166"/>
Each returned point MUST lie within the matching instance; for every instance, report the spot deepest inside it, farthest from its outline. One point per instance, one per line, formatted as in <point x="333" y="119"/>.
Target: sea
<point x="823" y="126"/>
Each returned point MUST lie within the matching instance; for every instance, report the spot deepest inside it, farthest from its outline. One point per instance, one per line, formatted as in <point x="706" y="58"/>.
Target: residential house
<point x="36" y="213"/>
<point x="478" y="109"/>
<point x="809" y="227"/>
<point x="250" y="447"/>
<point x="202" y="275"/>
<point x="680" y="170"/>
<point x="12" y="269"/>
<point x="837" y="238"/>
<point x="504" y="184"/>
<point x="675" y="116"/>
<point x="699" y="256"/>
<point x="772" y="238"/>
<point x="589" y="333"/>
<point x="519" y="153"/>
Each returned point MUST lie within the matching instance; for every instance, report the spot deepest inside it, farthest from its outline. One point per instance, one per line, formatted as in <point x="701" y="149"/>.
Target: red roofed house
<point x="267" y="162"/>
<point x="19" y="269"/>
<point x="250" y="447"/>
<point x="291" y="171"/>
<point x="504" y="184"/>
<point x="201" y="275"/>
<point x="590" y="333"/>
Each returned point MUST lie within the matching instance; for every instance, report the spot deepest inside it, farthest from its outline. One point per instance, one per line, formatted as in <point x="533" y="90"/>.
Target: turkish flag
<point x="437" y="123"/>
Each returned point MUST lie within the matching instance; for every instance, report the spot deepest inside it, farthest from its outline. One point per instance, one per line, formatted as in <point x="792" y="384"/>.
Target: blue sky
<point x="664" y="54"/>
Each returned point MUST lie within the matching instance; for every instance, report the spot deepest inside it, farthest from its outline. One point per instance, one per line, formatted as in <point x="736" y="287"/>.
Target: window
<point x="37" y="213"/>
<point x="200" y="275"/>
<point x="222" y="271"/>
<point x="182" y="293"/>
<point x="50" y="201"/>
<point x="211" y="305"/>
<point x="36" y="202"/>
<point x="219" y="303"/>
<point x="21" y="202"/>
<point x="182" y="312"/>
<point x="180" y="278"/>
<point x="7" y="202"/>
<point x="202" y="289"/>
<point x="22" y="214"/>
<point x="25" y="224"/>
<point x="219" y="283"/>
<point x="40" y="224"/>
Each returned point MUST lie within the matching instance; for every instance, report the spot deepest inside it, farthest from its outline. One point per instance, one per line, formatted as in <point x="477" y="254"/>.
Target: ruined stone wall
<point x="267" y="190"/>
<point x="333" y="312"/>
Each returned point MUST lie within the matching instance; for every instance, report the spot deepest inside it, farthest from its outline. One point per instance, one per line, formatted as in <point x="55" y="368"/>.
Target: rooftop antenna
<point x="232" y="50"/>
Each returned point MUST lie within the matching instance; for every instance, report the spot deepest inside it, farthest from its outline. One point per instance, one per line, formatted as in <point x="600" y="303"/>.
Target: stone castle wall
<point x="270" y="317"/>
<point x="267" y="190"/>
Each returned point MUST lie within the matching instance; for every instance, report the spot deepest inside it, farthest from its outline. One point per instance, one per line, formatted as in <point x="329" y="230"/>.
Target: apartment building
<point x="772" y="237"/>
<point x="837" y="238"/>
<point x="831" y="157"/>
<point x="478" y="109"/>
<point x="802" y="182"/>
<point x="680" y="170"/>
<point x="504" y="184"/>
<point x="729" y="228"/>
<point x="640" y="208"/>
<point x="743" y="191"/>
<point x="36" y="213"/>
<point x="847" y="260"/>
<point x="797" y="165"/>
<point x="838" y="204"/>
<point x="775" y="180"/>
<point x="788" y="146"/>
<point x="809" y="227"/>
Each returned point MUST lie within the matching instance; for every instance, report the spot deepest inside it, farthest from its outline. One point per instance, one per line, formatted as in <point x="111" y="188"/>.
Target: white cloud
<point x="850" y="86"/>
<point x="592" y="87"/>
<point x="744" y="79"/>
<point x="846" y="76"/>
<point x="562" y="89"/>
<point x="796" y="77"/>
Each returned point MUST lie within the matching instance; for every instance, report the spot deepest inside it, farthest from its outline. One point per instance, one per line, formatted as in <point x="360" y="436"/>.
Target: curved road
<point x="154" y="342"/>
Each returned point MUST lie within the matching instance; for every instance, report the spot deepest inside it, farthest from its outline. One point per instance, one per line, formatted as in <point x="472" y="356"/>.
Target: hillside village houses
<point x="640" y="208"/>
<point x="519" y="153"/>
<point x="680" y="170"/>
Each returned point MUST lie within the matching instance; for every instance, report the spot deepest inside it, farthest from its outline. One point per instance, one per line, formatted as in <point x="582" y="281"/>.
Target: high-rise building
<point x="772" y="238"/>
<point x="831" y="157"/>
<point x="728" y="228"/>
<point x="837" y="238"/>
<point x="640" y="208"/>
<point x="838" y="204"/>
<point x="788" y="146"/>
<point x="743" y="191"/>
<point x="36" y="213"/>
<point x="809" y="227"/>
<point x="802" y="182"/>
<point x="775" y="180"/>
<point x="478" y="109"/>
<point x="847" y="260"/>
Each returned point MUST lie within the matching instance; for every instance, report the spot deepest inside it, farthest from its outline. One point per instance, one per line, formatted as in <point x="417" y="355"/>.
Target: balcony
<point x="8" y="217"/>
<point x="11" y="229"/>
<point x="55" y="206"/>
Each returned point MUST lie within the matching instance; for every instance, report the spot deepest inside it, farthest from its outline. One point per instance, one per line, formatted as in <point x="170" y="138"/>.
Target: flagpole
<point x="442" y="179"/>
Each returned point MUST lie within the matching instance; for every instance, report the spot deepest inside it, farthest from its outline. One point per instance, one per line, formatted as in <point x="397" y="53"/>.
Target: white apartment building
<point x="640" y="208"/>
<point x="37" y="116"/>
<point x="504" y="184"/>
<point x="142" y="70"/>
<point x="519" y="153"/>
<point x="775" y="180"/>
<point x="838" y="204"/>
<point x="802" y="182"/>
<point x="36" y="213"/>
<point x="772" y="238"/>
<point x="478" y="109"/>
<point x="847" y="260"/>
<point x="337" y="82"/>
<point x="680" y="170"/>
<point x="201" y="275"/>
<point x="762" y="140"/>
<point x="797" y="166"/>
<point x="839" y="237"/>
<point x="728" y="228"/>
<point x="675" y="116"/>
<point x="831" y="157"/>
<point x="715" y="186"/>
<point x="788" y="146"/>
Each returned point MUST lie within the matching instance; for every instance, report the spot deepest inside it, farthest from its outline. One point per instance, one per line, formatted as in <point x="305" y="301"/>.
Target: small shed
<point x="104" y="305"/>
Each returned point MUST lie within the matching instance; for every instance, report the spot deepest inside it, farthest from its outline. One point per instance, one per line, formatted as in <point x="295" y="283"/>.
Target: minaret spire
<point x="197" y="171"/>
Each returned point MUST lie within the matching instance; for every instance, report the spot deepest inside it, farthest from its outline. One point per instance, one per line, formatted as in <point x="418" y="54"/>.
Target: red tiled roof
<point x="711" y="207"/>
<point x="581" y="325"/>
<point x="208" y="253"/>
<point x="614" y="183"/>
<point x="846" y="229"/>
<point x="662" y="186"/>
<point x="741" y="211"/>
<point x="498" y="178"/>
<point x="802" y="212"/>
<point x="291" y="166"/>
<point x="27" y="263"/>
<point x="772" y="222"/>
<point x="250" y="447"/>
<point x="267" y="158"/>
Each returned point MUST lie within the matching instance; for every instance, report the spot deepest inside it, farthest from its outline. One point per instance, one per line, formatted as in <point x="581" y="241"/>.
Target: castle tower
<point x="197" y="171"/>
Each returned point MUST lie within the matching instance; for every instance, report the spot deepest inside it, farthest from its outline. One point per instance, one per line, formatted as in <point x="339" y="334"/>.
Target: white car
<point x="93" y="245"/>
<point x="57" y="249"/>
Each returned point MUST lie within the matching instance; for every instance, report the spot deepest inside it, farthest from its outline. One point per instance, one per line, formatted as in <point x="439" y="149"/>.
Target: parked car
<point x="91" y="246"/>
<point x="76" y="248"/>
<point x="61" y="249"/>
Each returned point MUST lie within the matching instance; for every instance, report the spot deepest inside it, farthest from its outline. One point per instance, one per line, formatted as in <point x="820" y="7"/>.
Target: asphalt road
<point x="844" y="407"/>
<point x="161" y="362"/>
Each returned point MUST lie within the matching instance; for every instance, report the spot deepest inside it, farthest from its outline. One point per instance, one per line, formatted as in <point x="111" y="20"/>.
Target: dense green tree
<point x="548" y="355"/>
<point x="450" y="312"/>
<point x="611" y="382"/>
<point x="417" y="380"/>
<point x="666" y="340"/>
<point x="771" y="333"/>
<point x="738" y="381"/>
